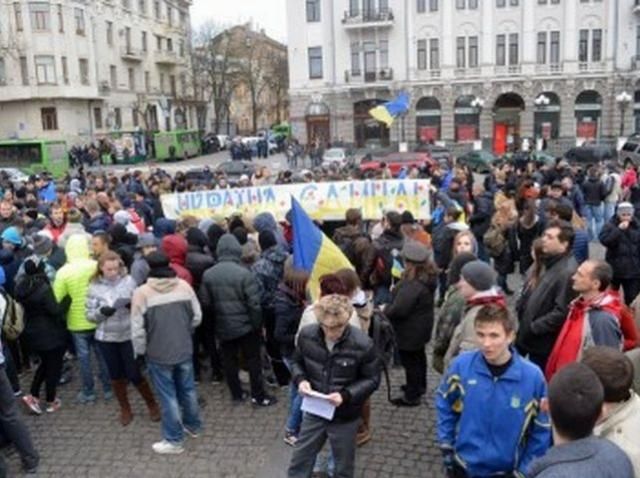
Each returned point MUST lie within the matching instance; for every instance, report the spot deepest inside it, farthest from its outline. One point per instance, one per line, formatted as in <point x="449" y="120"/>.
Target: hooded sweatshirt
<point x="175" y="247"/>
<point x="266" y="222"/>
<point x="73" y="280"/>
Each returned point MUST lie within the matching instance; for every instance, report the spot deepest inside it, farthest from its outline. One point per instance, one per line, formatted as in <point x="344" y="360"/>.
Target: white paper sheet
<point x="318" y="406"/>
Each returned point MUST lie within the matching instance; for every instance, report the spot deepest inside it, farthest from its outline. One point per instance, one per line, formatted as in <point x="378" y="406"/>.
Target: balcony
<point x="368" y="18"/>
<point x="508" y="70"/>
<point x="128" y="53"/>
<point x="592" y="66"/>
<point x="357" y="77"/>
<point x="167" y="58"/>
<point x="467" y="72"/>
<point x="549" y="69"/>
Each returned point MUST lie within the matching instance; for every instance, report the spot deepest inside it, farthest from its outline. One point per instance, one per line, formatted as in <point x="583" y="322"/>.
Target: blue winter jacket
<point x="492" y="425"/>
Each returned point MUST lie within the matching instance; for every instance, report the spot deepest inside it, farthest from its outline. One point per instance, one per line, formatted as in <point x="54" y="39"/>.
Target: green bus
<point x="126" y="147"/>
<point x="34" y="156"/>
<point x="176" y="144"/>
<point x="283" y="129"/>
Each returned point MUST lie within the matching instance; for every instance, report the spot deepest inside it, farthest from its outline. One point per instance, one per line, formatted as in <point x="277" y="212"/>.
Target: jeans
<point x="249" y="344"/>
<point x="609" y="211"/>
<point x="120" y="361"/>
<point x="594" y="216"/>
<point x="49" y="372"/>
<point x="176" y="392"/>
<point x="294" y="419"/>
<point x="12" y="426"/>
<point x="84" y="342"/>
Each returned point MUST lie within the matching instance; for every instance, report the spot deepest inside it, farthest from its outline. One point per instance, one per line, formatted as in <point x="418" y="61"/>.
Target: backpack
<point x="494" y="241"/>
<point x="384" y="340"/>
<point x="386" y="266"/>
<point x="13" y="319"/>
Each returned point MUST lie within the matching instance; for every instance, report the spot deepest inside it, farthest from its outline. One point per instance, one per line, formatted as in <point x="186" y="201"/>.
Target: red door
<point x="500" y="138"/>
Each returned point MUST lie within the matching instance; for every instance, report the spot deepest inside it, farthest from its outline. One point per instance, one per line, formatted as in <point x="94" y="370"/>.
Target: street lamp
<point x="542" y="100"/>
<point x="478" y="104"/>
<point x="623" y="99"/>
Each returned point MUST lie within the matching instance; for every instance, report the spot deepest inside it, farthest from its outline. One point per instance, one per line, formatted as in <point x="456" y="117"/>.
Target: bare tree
<point x="278" y="82"/>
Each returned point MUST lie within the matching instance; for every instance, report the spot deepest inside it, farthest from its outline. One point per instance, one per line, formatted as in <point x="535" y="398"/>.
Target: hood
<point x="163" y="285"/>
<point x="77" y="248"/>
<point x="120" y="235"/>
<point x="175" y="247"/>
<point x="214" y="233"/>
<point x="265" y="222"/>
<point x="229" y="249"/>
<point x="164" y="227"/>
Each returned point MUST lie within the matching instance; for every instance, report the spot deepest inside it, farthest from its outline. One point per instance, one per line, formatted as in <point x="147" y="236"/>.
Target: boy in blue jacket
<point x="489" y="419"/>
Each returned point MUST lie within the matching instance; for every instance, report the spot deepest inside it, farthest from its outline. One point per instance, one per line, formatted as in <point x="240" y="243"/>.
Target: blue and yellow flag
<point x="314" y="252"/>
<point x="388" y="111"/>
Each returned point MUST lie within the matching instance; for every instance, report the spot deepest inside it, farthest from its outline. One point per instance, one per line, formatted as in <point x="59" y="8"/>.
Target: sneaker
<point x="54" y="406"/>
<point x="265" y="402"/>
<point x="84" y="398"/>
<point x="290" y="438"/>
<point x="192" y="434"/>
<point x="32" y="403"/>
<point x="167" y="448"/>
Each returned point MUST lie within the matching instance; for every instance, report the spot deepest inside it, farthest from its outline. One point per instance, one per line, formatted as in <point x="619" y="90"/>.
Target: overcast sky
<point x="267" y="14"/>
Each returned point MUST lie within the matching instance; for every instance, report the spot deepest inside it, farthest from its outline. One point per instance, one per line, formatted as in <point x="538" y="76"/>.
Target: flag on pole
<point x="313" y="251"/>
<point x="388" y="111"/>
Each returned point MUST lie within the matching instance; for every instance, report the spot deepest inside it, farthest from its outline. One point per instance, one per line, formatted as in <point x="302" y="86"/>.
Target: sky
<point x="267" y="14"/>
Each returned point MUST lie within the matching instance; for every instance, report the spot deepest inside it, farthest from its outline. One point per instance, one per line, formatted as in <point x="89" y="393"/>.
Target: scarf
<point x="570" y="341"/>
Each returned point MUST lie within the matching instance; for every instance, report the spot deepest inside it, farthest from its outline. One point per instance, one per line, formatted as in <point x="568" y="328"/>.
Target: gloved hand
<point x="107" y="311"/>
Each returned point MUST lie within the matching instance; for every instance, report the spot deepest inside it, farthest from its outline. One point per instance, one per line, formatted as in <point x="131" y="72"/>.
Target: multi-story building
<point x="491" y="70"/>
<point x="78" y="69"/>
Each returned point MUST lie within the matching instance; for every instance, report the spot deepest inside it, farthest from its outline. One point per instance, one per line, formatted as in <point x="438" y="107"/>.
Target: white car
<point x="224" y="140"/>
<point x="15" y="175"/>
<point x="335" y="156"/>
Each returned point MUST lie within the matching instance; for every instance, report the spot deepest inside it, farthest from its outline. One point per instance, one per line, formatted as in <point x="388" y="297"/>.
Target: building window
<point x="460" y="52"/>
<point x="383" y="51"/>
<point x="473" y="4"/>
<point x="132" y="80"/>
<point x="596" y="45"/>
<point x="513" y="49"/>
<point x="554" y="50"/>
<point x="514" y="3"/>
<point x="433" y="5"/>
<point x="110" y="33"/>
<point x="158" y="43"/>
<point x="113" y="76"/>
<point x="142" y="7"/>
<point x="45" y="69"/>
<point x="541" y="52"/>
<point x="117" y="113"/>
<point x="183" y="85"/>
<point x="434" y="54"/>
<point x="17" y="10"/>
<point x="181" y="48"/>
<point x="422" y="54"/>
<point x="83" y="65"/>
<point x="134" y="117"/>
<point x="638" y="41"/>
<point x="65" y="70"/>
<point x="169" y="44"/>
<point x="355" y="59"/>
<point x="161" y="82"/>
<point x="147" y="82"/>
<point x="60" y="19"/>
<point x="126" y="4"/>
<point x="354" y="7"/>
<point x="583" y="46"/>
<point x="49" y="119"/>
<point x="3" y="72"/>
<point x="501" y="50"/>
<point x="97" y="118"/>
<point x="460" y="4"/>
<point x="473" y="52"/>
<point x="78" y="13"/>
<point x="421" y="6"/>
<point x="313" y="10"/>
<point x="172" y="85"/>
<point x="315" y="62"/>
<point x="170" y="15"/>
<point x="40" y="14"/>
<point x="156" y="10"/>
<point x="144" y="42"/>
<point x="501" y="3"/>
<point x="24" y="70"/>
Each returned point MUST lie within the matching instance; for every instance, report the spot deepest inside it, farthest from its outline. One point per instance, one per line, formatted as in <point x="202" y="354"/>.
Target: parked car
<point x="210" y="143"/>
<point x="630" y="151"/>
<point x="199" y="175"/>
<point x="479" y="161"/>
<point x="234" y="170"/>
<point x="438" y="153"/>
<point x="590" y="154"/>
<point x="335" y="156"/>
<point x="224" y="140"/>
<point x="15" y="176"/>
<point x="397" y="161"/>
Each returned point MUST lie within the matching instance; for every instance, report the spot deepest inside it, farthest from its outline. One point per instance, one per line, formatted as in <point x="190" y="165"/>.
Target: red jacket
<point x="175" y="247"/>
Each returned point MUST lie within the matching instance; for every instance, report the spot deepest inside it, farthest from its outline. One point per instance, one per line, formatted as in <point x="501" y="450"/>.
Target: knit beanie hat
<point x="267" y="239"/>
<point x="159" y="265"/>
<point x="625" y="207"/>
<point x="479" y="275"/>
<point x="12" y="235"/>
<point x="42" y="245"/>
<point x="333" y="310"/>
<point x="457" y="263"/>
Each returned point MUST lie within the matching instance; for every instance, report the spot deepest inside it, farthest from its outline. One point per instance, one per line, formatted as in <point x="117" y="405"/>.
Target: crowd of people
<point x="101" y="275"/>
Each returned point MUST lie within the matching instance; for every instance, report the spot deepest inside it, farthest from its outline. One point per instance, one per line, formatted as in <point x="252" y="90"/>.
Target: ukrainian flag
<point x="388" y="111"/>
<point x="314" y="252"/>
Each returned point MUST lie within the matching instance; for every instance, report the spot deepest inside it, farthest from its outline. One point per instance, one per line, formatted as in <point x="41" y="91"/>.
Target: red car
<point x="397" y="161"/>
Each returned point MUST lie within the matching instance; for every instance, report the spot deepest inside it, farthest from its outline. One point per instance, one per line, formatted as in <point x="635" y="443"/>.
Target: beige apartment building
<point x="80" y="69"/>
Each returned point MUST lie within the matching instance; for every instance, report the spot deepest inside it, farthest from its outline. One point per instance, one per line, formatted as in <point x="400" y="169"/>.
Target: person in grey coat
<point x="231" y="293"/>
<point x="575" y="398"/>
<point x="140" y="268"/>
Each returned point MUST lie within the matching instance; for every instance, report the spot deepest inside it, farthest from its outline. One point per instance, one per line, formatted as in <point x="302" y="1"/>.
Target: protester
<point x="576" y="399"/>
